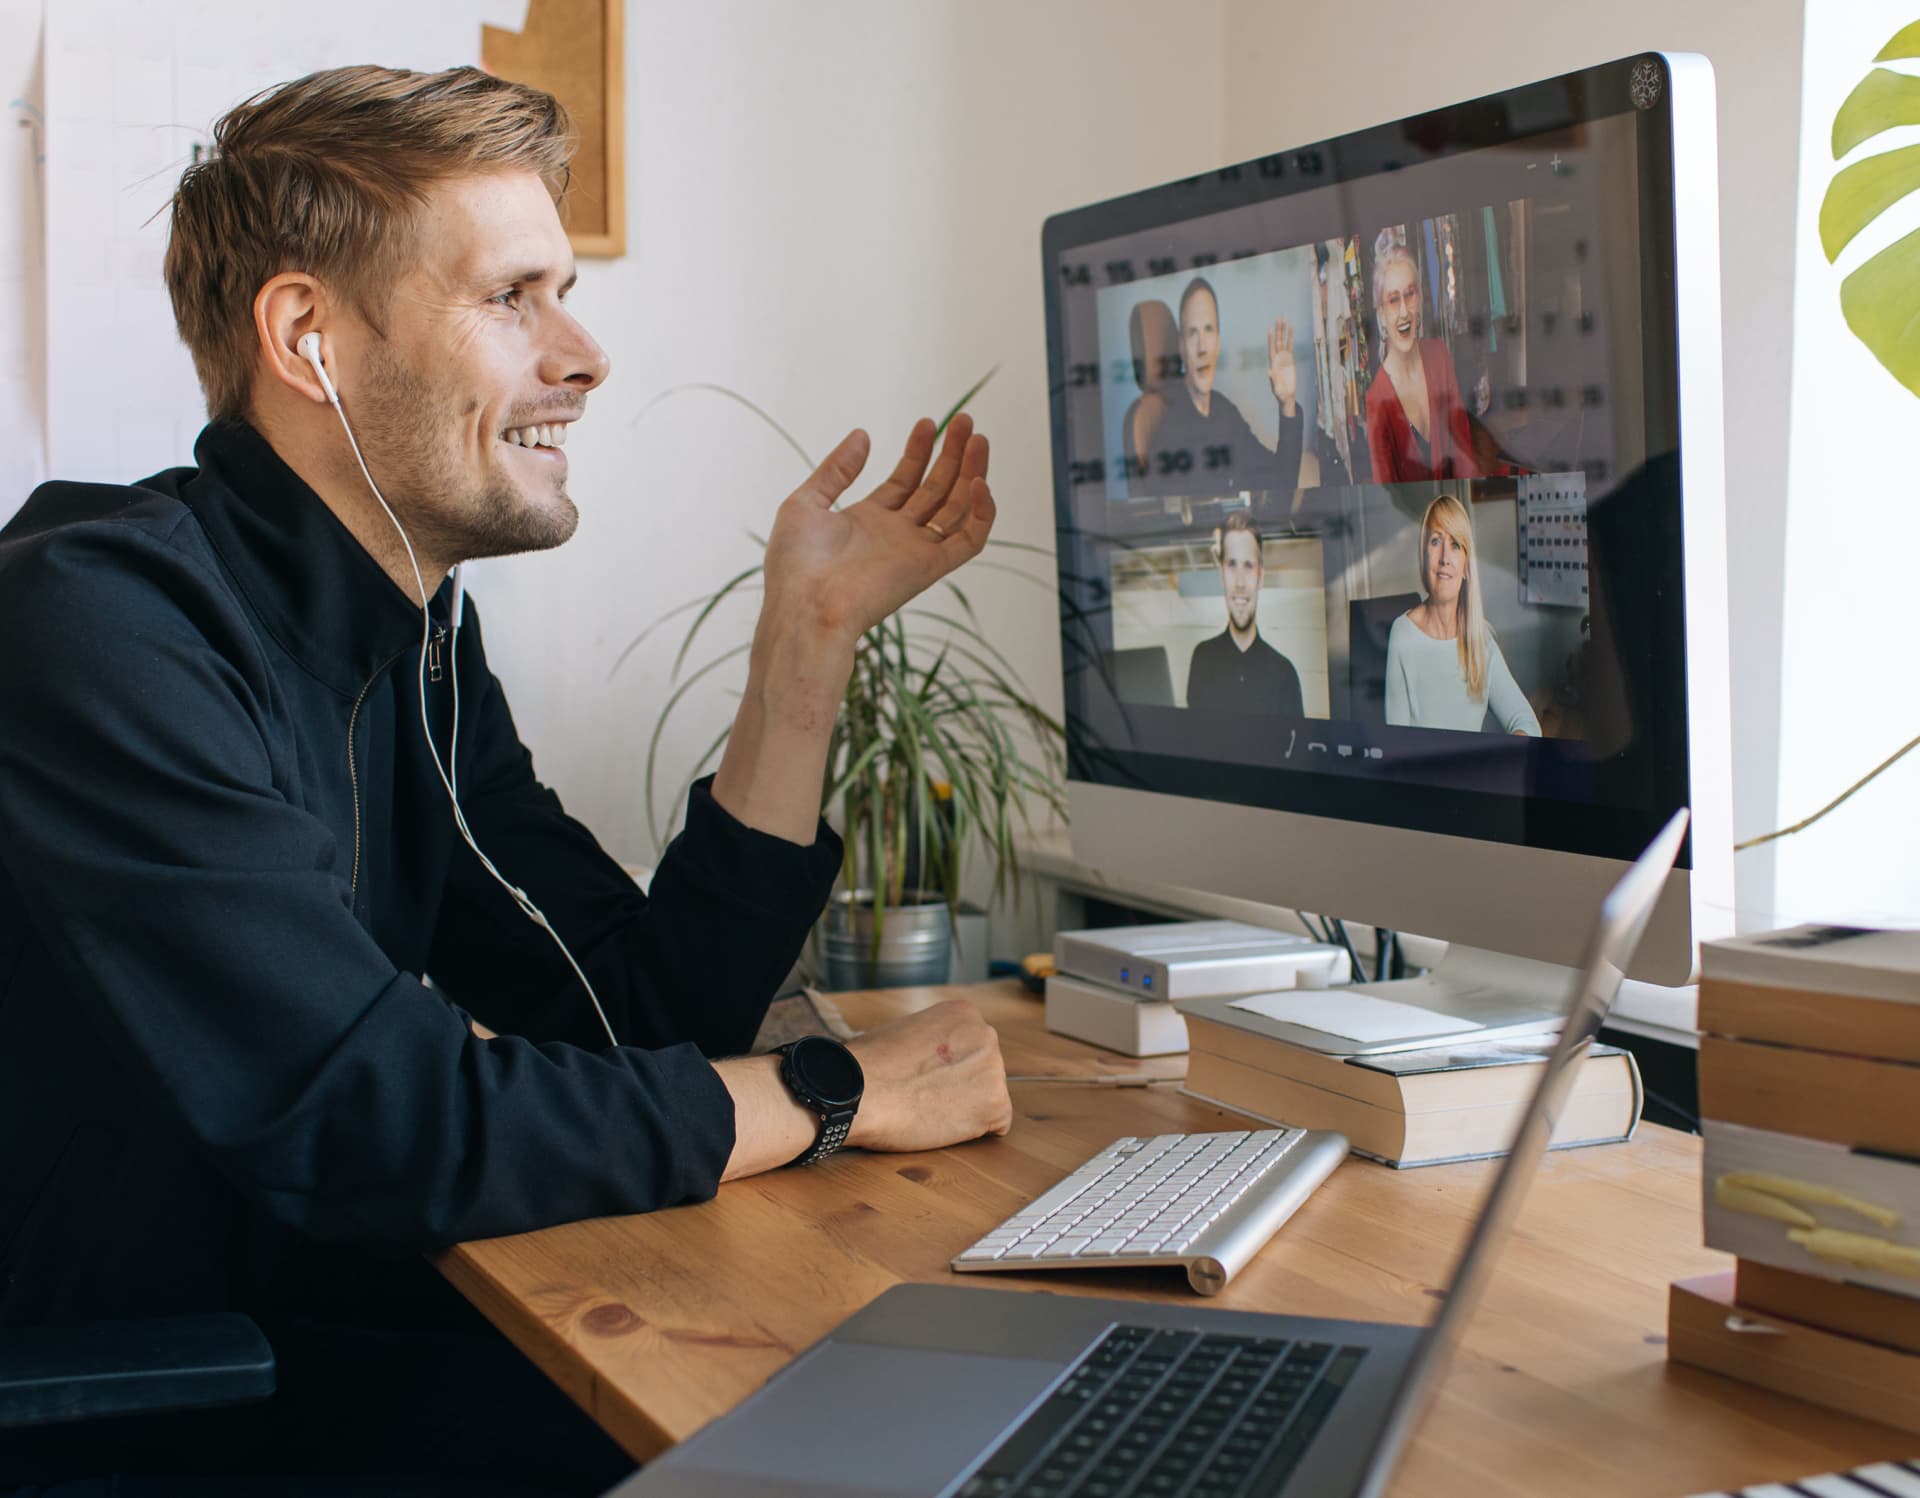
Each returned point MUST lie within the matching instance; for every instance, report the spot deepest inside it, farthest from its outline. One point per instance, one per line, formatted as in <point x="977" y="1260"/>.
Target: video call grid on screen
<point x="1523" y="245"/>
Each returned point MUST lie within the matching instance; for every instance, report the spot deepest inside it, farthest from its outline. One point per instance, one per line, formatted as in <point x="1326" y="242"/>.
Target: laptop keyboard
<point x="1205" y="1201"/>
<point x="1174" y="1414"/>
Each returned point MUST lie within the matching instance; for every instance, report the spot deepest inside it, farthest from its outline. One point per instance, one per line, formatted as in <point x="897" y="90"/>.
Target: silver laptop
<point x="944" y="1392"/>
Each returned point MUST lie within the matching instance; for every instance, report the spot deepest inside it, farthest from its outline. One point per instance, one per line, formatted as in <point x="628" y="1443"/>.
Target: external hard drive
<point x="1198" y="959"/>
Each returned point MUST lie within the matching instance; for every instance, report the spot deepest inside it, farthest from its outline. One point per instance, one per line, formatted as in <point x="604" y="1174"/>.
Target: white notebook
<point x="1353" y="1016"/>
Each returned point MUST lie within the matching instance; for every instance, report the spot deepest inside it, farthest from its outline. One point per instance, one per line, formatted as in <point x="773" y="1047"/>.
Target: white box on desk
<point x="1114" y="1018"/>
<point x="1197" y="959"/>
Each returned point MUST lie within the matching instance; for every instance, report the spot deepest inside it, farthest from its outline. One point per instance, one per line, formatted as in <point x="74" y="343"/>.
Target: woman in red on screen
<point x="1417" y="424"/>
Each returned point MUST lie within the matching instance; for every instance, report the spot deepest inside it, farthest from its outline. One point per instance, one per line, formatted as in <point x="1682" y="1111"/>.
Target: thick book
<point x="1814" y="1207"/>
<point x="1708" y="1328"/>
<point x="1856" y="1101"/>
<point x="1845" y="989"/>
<point x="1835" y="1305"/>
<point x="1412" y="1107"/>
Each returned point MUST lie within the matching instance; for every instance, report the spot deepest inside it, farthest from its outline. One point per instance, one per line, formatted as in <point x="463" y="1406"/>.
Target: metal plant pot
<point x="915" y="947"/>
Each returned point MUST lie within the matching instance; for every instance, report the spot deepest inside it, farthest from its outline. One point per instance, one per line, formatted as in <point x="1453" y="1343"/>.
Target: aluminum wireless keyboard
<point x="1206" y="1202"/>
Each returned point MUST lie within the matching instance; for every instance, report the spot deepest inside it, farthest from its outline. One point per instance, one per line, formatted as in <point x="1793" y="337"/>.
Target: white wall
<point x="1296" y="73"/>
<point x="836" y="211"/>
<point x="23" y="457"/>
<point x="131" y="87"/>
<point x="1848" y="672"/>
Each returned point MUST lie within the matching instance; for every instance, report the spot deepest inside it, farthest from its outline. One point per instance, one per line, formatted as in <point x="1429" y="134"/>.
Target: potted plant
<point x="936" y="750"/>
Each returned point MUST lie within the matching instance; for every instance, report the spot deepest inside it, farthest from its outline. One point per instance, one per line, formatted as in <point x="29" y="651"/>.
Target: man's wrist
<point x="798" y="674"/>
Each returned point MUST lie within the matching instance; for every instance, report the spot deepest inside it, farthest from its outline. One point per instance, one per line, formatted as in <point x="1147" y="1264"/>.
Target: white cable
<point x="520" y="897"/>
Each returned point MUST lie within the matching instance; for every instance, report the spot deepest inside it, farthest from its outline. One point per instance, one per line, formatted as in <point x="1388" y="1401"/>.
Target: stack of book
<point x="1810" y="1104"/>
<point x="1458" y="1099"/>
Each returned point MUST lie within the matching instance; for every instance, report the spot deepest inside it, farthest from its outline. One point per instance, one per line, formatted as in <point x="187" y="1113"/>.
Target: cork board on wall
<point x="576" y="51"/>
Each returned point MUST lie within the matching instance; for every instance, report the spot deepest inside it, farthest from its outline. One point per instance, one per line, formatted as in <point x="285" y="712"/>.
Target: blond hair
<point x="1394" y="254"/>
<point x="327" y="175"/>
<point x="1452" y="519"/>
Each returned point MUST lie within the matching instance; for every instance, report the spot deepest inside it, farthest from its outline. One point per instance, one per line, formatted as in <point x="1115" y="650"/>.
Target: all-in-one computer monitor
<point x="1399" y="456"/>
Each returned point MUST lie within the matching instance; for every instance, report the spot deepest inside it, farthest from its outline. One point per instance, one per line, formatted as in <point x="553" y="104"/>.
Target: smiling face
<point x="1397" y="298"/>
<point x="1240" y="577"/>
<point x="1445" y="567"/>
<point x="464" y="406"/>
<point x="1200" y="340"/>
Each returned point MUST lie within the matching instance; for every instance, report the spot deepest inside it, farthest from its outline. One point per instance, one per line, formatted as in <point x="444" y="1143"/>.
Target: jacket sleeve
<point x="1275" y="470"/>
<point x="1289" y="438"/>
<point x="693" y="961"/>
<point x="201" y="921"/>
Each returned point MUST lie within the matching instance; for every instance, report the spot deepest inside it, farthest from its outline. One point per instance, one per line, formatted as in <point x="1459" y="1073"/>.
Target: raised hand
<point x="1282" y="374"/>
<point x="844" y="570"/>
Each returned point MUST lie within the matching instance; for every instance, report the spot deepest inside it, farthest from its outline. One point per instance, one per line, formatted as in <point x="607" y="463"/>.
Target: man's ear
<point x="285" y="309"/>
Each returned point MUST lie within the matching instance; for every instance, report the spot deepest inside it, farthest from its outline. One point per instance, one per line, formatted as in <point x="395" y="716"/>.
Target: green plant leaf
<point x="971" y="633"/>
<point x="1905" y="43"/>
<point x="960" y="405"/>
<point x="1881" y="302"/>
<point x="726" y="592"/>
<point x="673" y="613"/>
<point x="660" y="728"/>
<point x="1881" y="101"/>
<point x="1860" y="193"/>
<point x="735" y="396"/>
<point x="699" y="769"/>
<point x="1881" y="299"/>
<point x="954" y="589"/>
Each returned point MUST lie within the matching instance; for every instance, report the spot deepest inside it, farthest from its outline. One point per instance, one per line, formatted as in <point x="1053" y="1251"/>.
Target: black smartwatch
<point x="825" y="1077"/>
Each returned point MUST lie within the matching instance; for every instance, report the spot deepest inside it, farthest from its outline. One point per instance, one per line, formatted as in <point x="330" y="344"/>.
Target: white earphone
<point x="308" y="347"/>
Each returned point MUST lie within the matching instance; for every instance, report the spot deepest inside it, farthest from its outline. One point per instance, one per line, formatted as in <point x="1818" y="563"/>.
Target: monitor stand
<point x="1472" y="997"/>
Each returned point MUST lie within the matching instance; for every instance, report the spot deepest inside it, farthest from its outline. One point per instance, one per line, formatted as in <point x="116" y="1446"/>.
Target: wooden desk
<point x="657" y="1324"/>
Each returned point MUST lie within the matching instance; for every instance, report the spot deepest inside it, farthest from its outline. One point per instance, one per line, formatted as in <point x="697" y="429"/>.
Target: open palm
<point x="1282" y="374"/>
<point x="850" y="567"/>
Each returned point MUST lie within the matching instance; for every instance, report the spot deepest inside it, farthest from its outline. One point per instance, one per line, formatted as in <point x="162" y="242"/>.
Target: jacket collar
<point x="314" y="587"/>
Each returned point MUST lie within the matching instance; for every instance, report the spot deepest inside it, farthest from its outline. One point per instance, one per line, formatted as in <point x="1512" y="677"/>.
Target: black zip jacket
<point x="224" y="859"/>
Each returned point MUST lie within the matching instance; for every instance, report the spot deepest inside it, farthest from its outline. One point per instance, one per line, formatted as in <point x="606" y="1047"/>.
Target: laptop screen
<point x="1623" y="919"/>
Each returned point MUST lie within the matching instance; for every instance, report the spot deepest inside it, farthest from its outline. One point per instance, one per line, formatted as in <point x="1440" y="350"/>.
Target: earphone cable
<point x="520" y="897"/>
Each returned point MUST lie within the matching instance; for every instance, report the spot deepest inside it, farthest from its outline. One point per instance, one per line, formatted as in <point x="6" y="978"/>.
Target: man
<point x="229" y="856"/>
<point x="1236" y="671"/>
<point x="1202" y="445"/>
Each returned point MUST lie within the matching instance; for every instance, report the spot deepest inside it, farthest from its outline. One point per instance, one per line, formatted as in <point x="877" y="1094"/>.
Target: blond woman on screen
<point x="1444" y="668"/>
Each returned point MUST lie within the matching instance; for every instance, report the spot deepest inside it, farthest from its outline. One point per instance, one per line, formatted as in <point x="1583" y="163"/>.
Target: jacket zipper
<point x="353" y="774"/>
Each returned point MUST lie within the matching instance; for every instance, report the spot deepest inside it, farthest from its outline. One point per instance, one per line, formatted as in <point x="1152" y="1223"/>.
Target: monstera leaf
<point x="1881" y="300"/>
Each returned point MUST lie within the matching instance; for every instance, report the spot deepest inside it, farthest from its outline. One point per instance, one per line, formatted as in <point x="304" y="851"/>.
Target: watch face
<point x="827" y="1070"/>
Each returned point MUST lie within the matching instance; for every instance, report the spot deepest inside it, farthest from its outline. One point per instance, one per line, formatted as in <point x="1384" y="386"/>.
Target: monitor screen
<point x="1366" y="474"/>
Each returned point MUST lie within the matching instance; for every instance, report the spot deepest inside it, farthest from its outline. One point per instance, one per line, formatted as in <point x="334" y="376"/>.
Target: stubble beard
<point x="415" y="430"/>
